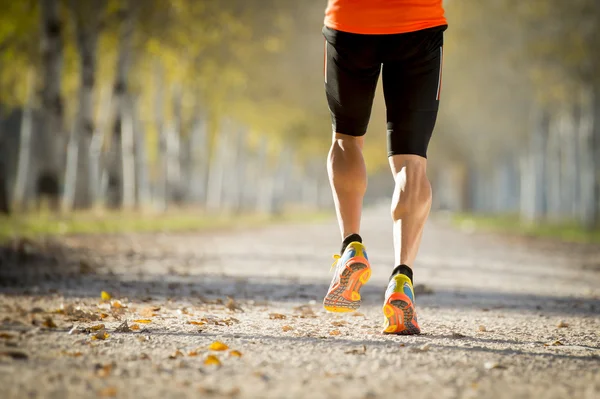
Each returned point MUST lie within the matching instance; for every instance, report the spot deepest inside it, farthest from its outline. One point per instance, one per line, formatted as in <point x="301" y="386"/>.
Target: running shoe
<point x="399" y="307"/>
<point x="352" y="270"/>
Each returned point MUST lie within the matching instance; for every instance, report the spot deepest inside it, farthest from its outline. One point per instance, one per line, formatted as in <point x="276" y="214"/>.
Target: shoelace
<point x="336" y="257"/>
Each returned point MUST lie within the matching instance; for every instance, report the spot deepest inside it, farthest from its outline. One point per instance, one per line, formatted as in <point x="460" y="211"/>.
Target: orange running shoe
<point x="352" y="270"/>
<point x="399" y="307"/>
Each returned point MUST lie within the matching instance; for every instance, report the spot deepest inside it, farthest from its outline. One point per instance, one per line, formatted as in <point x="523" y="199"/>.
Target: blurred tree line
<point x="126" y="103"/>
<point x="519" y="126"/>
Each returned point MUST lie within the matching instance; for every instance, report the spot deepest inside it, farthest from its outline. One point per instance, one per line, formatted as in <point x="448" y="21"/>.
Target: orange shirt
<point x="384" y="16"/>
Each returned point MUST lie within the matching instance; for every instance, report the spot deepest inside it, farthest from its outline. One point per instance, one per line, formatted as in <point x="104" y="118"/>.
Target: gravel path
<point x="501" y="317"/>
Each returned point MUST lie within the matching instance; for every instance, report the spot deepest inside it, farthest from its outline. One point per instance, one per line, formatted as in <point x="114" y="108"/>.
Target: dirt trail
<point x="502" y="318"/>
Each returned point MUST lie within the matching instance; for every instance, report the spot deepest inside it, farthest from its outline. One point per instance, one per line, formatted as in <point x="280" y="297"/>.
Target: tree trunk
<point x="24" y="159"/>
<point x="96" y="165"/>
<point x="162" y="183"/>
<point x="535" y="170"/>
<point x="86" y="15"/>
<point x="174" y="148"/>
<point x="588" y="209"/>
<point x="120" y="161"/>
<point x="595" y="216"/>
<point x="128" y="155"/>
<point x="141" y="160"/>
<point x="216" y="171"/>
<point x="198" y="160"/>
<point x="51" y="46"/>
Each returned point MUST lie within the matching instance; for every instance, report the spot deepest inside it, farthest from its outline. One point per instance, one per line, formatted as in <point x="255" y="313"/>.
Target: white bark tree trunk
<point x="141" y="160"/>
<point x="198" y="160"/>
<point x="120" y="161"/>
<point x="97" y="168"/>
<point x="24" y="158"/>
<point x="588" y="214"/>
<point x="54" y="137"/>
<point x="162" y="183"/>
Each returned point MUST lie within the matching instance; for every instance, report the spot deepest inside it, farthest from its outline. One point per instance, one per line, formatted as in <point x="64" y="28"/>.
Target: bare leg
<point x="348" y="179"/>
<point x="411" y="204"/>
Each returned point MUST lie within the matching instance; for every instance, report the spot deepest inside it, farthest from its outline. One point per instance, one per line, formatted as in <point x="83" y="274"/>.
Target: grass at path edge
<point x="568" y="232"/>
<point x="107" y="222"/>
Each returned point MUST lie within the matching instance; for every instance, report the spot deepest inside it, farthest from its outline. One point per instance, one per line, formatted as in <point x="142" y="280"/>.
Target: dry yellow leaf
<point x="334" y="332"/>
<point x="142" y="321"/>
<point x="148" y="312"/>
<point x="117" y="304"/>
<point x="103" y="315"/>
<point x="287" y="328"/>
<point x="218" y="346"/>
<point x="176" y="354"/>
<point x="276" y="316"/>
<point x="196" y="323"/>
<point x="357" y="314"/>
<point x="193" y="353"/>
<point x="105" y="296"/>
<point x="135" y="327"/>
<point x="104" y="371"/>
<point x="7" y="336"/>
<point x="72" y="354"/>
<point x="212" y="360"/>
<point x="339" y="323"/>
<point x="98" y="327"/>
<point x="236" y="353"/>
<point x="101" y="335"/>
<point x="108" y="392"/>
<point x="49" y="323"/>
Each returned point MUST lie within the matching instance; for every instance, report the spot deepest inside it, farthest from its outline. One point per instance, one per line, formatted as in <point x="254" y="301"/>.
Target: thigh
<point x="412" y="83"/>
<point x="351" y="73"/>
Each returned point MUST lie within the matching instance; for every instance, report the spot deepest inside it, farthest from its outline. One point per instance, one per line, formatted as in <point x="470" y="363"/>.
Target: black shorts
<point x="411" y="65"/>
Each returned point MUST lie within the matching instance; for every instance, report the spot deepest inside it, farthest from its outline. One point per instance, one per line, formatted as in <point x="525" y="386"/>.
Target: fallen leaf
<point x="192" y="353"/>
<point x="562" y="324"/>
<point x="196" y="323"/>
<point x="236" y="353"/>
<point x="277" y="316"/>
<point x="116" y="304"/>
<point x="142" y="321"/>
<point x="103" y="315"/>
<point x="340" y="323"/>
<point x="123" y="328"/>
<point x="356" y="314"/>
<point x="4" y="335"/>
<point x="218" y="346"/>
<point x="103" y="370"/>
<point x="555" y="343"/>
<point x="108" y="392"/>
<point x="456" y="335"/>
<point x="287" y="328"/>
<point x="18" y="355"/>
<point x="134" y="327"/>
<point x="493" y="365"/>
<point x="232" y="305"/>
<point x="176" y="354"/>
<point x="105" y="296"/>
<point x="360" y="351"/>
<point x="212" y="360"/>
<point x="101" y="335"/>
<point x="98" y="327"/>
<point x="482" y="328"/>
<point x="49" y="323"/>
<point x="148" y="312"/>
<point x="335" y="332"/>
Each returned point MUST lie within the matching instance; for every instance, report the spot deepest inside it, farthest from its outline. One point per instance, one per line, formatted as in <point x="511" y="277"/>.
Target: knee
<point x="412" y="192"/>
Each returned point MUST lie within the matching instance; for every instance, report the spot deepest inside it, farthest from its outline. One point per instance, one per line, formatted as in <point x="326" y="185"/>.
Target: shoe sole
<point x="399" y="313"/>
<point x="346" y="296"/>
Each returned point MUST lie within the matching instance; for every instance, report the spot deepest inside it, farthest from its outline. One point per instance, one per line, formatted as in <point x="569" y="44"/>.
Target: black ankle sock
<point x="403" y="269"/>
<point x="349" y="239"/>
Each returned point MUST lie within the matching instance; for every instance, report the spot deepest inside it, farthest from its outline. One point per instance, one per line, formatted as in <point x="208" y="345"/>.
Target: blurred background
<point x="219" y="106"/>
